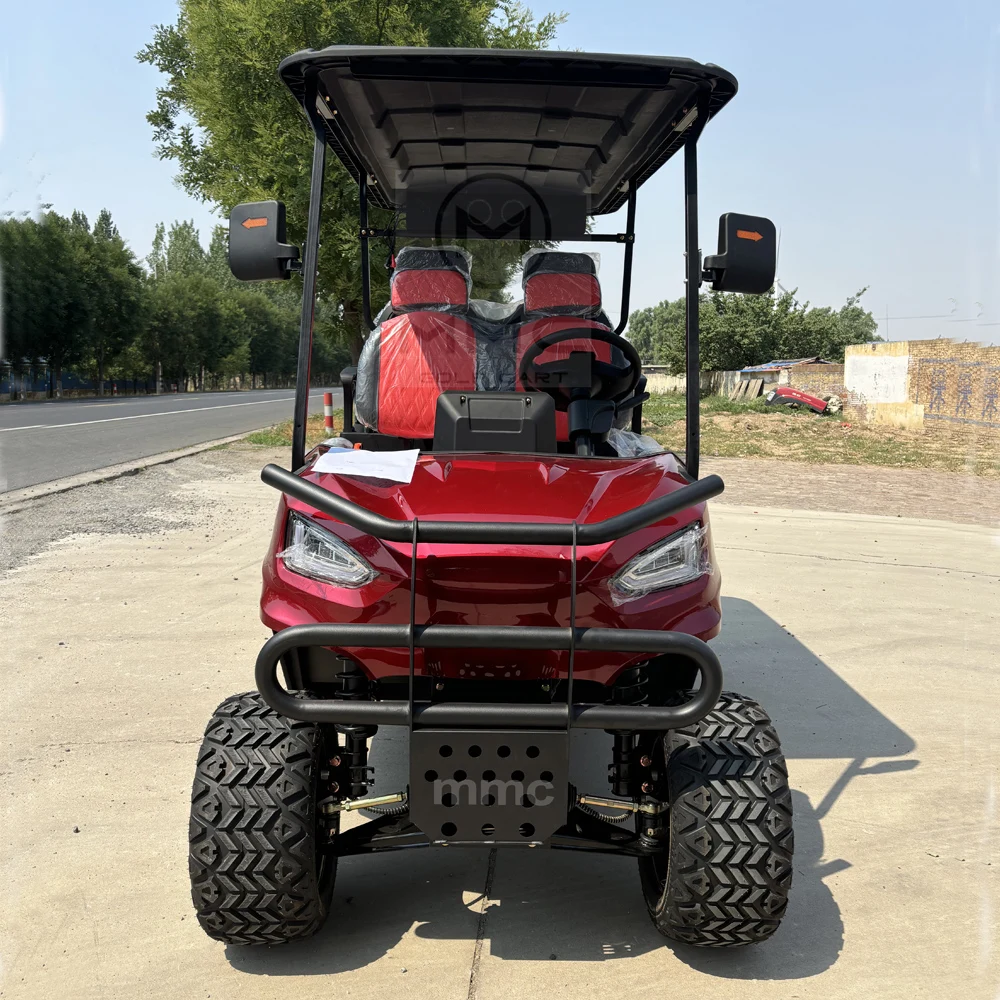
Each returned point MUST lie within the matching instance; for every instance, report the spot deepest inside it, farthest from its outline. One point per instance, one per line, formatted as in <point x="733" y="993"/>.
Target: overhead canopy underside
<point x="501" y="142"/>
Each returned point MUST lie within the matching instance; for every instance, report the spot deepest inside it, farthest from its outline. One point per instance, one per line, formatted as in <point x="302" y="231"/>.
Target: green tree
<point x="217" y="260"/>
<point x="738" y="331"/>
<point x="179" y="308"/>
<point x="236" y="135"/>
<point x="46" y="299"/>
<point x="114" y="280"/>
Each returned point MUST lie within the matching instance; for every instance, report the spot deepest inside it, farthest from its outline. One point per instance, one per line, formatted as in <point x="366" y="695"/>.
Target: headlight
<point x="314" y="552"/>
<point x="678" y="559"/>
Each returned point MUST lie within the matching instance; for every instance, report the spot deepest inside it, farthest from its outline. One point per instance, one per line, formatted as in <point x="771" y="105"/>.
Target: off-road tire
<point x="723" y="880"/>
<point x="258" y="875"/>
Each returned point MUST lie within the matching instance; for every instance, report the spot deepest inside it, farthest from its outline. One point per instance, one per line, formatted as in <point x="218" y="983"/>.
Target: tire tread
<point x="729" y="864"/>
<point x="253" y="837"/>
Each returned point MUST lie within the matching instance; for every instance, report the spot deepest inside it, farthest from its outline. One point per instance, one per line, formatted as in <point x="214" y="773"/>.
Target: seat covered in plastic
<point x="561" y="292"/>
<point x="427" y="345"/>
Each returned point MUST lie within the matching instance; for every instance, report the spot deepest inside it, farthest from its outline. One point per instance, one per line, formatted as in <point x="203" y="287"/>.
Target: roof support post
<point x="629" y="236"/>
<point x="692" y="259"/>
<point x="366" y="274"/>
<point x="310" y="265"/>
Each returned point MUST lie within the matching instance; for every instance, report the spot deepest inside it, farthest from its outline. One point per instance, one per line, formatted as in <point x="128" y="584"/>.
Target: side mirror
<point x="746" y="259"/>
<point x="257" y="247"/>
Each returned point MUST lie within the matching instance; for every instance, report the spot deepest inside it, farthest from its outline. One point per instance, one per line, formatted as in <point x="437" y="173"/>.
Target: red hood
<point x="512" y="487"/>
<point x="497" y="584"/>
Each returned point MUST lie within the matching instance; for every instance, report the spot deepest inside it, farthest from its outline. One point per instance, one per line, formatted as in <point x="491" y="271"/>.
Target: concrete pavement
<point x="40" y="442"/>
<point x="870" y="640"/>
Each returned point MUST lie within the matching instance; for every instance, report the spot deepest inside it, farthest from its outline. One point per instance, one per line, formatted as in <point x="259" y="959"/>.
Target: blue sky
<point x="869" y="132"/>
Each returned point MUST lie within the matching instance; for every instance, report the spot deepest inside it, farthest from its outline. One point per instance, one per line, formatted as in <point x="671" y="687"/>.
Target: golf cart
<point x="494" y="555"/>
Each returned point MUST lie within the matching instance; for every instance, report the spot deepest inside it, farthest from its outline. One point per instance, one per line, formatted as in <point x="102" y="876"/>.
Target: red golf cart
<point x="494" y="555"/>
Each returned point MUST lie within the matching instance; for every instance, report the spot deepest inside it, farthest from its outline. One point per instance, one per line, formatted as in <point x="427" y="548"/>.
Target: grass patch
<point x="280" y="435"/>
<point x="751" y="429"/>
<point x="732" y="428"/>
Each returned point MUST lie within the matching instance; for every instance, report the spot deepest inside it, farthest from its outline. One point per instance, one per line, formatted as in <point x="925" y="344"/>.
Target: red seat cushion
<point x="421" y="355"/>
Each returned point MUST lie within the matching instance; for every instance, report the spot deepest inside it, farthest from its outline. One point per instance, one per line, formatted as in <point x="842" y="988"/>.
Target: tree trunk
<point x="58" y="385"/>
<point x="100" y="375"/>
<point x="159" y="378"/>
<point x="356" y="333"/>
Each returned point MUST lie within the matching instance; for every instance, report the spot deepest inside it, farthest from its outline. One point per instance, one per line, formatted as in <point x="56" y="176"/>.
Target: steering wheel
<point x="607" y="381"/>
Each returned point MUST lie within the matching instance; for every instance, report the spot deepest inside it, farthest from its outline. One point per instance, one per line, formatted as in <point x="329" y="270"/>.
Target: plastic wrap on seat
<point x="496" y="363"/>
<point x="366" y="382"/>
<point x="408" y="362"/>
<point x="556" y="283"/>
<point x="431" y="278"/>
<point x="629" y="444"/>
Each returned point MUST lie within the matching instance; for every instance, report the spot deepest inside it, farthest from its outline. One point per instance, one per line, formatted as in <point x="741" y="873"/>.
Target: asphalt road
<point x="40" y="442"/>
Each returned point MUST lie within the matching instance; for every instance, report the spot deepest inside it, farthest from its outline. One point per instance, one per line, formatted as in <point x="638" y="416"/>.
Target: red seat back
<point x="421" y="355"/>
<point x="435" y="278"/>
<point x="561" y="292"/>
<point x="425" y="348"/>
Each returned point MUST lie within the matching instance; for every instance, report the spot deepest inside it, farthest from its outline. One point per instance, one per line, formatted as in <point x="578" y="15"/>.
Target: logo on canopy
<point x="493" y="207"/>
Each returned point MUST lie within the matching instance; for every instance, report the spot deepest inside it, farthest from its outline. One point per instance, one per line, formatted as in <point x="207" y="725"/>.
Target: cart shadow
<point x="568" y="906"/>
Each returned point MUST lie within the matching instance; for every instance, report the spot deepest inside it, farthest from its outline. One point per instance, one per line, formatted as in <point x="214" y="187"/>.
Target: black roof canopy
<point x="440" y="131"/>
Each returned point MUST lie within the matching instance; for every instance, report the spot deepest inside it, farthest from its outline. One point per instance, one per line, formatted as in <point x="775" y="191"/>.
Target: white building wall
<point x="876" y="378"/>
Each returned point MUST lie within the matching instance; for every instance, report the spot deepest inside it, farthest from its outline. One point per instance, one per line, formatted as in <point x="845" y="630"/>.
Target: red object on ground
<point x="786" y="395"/>
<point x="497" y="584"/>
<point x="328" y="411"/>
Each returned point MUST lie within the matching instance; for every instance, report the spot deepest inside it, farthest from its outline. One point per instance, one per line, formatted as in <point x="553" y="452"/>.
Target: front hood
<point x="512" y="487"/>
<point x="496" y="584"/>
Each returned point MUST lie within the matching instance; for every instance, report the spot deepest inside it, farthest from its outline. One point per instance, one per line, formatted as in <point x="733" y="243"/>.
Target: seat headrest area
<point x="431" y="278"/>
<point x="556" y="283"/>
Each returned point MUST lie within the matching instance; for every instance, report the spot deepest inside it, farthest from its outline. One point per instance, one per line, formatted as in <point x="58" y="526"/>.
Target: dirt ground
<point x="858" y="489"/>
<point x="754" y="430"/>
<point x="130" y="611"/>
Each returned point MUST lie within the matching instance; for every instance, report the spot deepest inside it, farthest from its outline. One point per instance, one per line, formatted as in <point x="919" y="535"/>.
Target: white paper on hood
<point x="396" y="466"/>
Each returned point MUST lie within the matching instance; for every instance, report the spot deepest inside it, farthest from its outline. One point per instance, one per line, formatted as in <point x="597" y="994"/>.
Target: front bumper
<point x="488" y="716"/>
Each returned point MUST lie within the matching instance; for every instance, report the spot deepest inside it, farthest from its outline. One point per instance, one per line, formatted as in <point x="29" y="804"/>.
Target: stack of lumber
<point x="747" y="389"/>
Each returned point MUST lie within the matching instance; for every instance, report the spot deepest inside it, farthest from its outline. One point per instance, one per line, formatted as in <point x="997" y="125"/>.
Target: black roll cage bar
<point x="413" y="636"/>
<point x="692" y="255"/>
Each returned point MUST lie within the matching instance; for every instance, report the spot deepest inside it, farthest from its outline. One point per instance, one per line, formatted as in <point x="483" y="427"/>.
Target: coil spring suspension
<point x="632" y="685"/>
<point x="631" y="688"/>
<point x="350" y="765"/>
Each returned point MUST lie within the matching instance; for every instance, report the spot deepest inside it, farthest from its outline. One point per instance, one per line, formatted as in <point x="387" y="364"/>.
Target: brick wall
<point x="946" y="382"/>
<point x="956" y="383"/>
<point x="820" y="380"/>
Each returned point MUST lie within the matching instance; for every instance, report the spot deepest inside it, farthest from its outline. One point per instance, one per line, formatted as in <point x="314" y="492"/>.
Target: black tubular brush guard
<point x="412" y="636"/>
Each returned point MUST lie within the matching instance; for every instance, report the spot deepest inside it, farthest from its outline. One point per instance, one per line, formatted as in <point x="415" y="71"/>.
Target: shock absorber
<point x="632" y="685"/>
<point x="623" y="771"/>
<point x="354" y="760"/>
<point x="350" y="764"/>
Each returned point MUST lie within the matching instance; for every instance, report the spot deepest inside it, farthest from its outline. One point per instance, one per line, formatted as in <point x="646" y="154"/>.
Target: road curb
<point x="16" y="500"/>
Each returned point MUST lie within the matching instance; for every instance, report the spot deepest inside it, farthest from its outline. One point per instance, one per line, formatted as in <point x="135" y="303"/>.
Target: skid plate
<point x="489" y="787"/>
